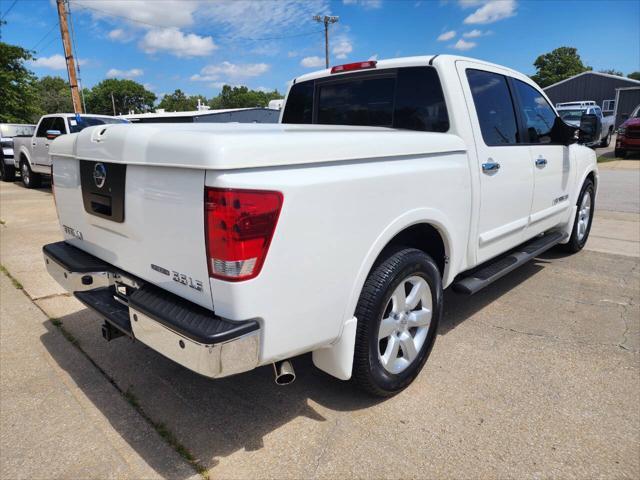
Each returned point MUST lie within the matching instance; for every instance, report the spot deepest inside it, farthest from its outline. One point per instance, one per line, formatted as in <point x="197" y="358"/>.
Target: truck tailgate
<point x="146" y="220"/>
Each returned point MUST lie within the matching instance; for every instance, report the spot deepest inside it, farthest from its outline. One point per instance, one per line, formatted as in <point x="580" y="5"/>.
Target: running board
<point x="499" y="267"/>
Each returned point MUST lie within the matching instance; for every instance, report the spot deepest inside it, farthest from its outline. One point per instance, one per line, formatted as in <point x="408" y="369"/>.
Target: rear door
<point x="504" y="162"/>
<point x="551" y="161"/>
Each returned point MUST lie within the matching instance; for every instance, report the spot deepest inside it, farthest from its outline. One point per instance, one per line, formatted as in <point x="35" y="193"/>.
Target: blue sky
<point x="197" y="45"/>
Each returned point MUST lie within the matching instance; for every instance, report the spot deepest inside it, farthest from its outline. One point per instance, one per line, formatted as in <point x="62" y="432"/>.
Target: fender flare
<point x="337" y="359"/>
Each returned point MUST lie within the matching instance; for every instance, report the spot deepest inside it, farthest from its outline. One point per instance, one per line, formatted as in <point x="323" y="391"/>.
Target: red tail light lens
<point x="239" y="226"/>
<point x="349" y="67"/>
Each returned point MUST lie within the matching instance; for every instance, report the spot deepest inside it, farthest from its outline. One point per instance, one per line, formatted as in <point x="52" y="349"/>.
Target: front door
<point x="551" y="161"/>
<point x="504" y="162"/>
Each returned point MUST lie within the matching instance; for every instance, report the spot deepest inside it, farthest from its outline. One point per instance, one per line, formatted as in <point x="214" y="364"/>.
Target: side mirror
<point x="51" y="134"/>
<point x="590" y="128"/>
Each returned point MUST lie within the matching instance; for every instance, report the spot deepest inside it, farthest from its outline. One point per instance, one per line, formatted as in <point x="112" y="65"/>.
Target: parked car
<point x="226" y="247"/>
<point x="571" y="113"/>
<point x="31" y="154"/>
<point x="628" y="138"/>
<point x="7" y="132"/>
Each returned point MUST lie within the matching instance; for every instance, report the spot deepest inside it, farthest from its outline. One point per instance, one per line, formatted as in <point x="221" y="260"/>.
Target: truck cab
<point x="572" y="112"/>
<point x="31" y="154"/>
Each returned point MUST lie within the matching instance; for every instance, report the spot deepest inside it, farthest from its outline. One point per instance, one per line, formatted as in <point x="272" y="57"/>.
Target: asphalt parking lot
<point x="536" y="376"/>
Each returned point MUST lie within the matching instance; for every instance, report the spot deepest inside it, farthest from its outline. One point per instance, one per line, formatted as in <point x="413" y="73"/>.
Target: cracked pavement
<point x="536" y="376"/>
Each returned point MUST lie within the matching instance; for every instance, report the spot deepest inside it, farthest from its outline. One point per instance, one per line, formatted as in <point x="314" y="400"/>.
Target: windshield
<point x="8" y="130"/>
<point x="571" y="115"/>
<point x="407" y="98"/>
<point x="75" y="126"/>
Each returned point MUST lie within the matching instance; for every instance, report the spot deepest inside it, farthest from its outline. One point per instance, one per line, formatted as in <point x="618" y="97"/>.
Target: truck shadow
<point x="214" y="419"/>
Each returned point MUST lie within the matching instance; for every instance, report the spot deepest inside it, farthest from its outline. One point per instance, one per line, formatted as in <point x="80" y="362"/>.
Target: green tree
<point x="17" y="85"/>
<point x="178" y="101"/>
<point x="612" y="71"/>
<point x="242" y="97"/>
<point x="127" y="95"/>
<point x="54" y="95"/>
<point x="561" y="63"/>
<point x="634" y="75"/>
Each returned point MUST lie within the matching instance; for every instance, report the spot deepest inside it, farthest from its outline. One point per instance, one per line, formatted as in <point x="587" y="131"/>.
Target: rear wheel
<point x="398" y="314"/>
<point x="29" y="178"/>
<point x="7" y="172"/>
<point x="584" y="216"/>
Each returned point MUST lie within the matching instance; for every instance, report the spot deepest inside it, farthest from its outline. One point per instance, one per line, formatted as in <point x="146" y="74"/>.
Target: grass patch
<point x="65" y="333"/>
<point x="167" y="435"/>
<point x="603" y="159"/>
<point x="15" y="282"/>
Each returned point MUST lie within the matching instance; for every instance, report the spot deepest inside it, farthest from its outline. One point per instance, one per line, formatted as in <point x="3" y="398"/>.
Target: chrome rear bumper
<point x="181" y="331"/>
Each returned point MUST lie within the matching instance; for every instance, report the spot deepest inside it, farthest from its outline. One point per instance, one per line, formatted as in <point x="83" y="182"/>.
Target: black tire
<point x="620" y="153"/>
<point x="7" y="172"/>
<point x="606" y="140"/>
<point x="399" y="265"/>
<point x="576" y="241"/>
<point x="29" y="178"/>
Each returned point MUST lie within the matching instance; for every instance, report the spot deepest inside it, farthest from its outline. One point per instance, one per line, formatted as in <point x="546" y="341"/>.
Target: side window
<point x="494" y="107"/>
<point x="597" y="111"/>
<point x="58" y="124"/>
<point x="299" y="105"/>
<point x="45" y="125"/>
<point x="538" y="115"/>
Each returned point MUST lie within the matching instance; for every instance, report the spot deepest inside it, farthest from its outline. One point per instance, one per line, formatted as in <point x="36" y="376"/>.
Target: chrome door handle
<point x="541" y="162"/>
<point x="490" y="167"/>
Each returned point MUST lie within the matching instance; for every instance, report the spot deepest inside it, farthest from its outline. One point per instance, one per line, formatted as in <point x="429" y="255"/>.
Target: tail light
<point x="239" y="226"/>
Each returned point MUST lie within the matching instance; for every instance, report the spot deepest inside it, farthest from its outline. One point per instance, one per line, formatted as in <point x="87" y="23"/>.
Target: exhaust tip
<point x="284" y="373"/>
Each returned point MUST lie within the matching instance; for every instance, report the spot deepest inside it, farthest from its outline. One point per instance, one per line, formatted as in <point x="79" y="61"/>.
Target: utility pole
<point x="327" y="19"/>
<point x="68" y="55"/>
<point x="113" y="103"/>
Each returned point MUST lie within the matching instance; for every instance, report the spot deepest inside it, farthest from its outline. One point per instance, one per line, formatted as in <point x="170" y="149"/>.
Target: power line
<point x="8" y="10"/>
<point x="217" y="37"/>
<point x="44" y="36"/>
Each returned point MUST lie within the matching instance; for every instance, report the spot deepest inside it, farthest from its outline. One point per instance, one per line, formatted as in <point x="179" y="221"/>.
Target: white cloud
<point x="342" y="47"/>
<point x="168" y="13"/>
<point x="493" y="11"/>
<point x="227" y="70"/>
<point x="368" y="4"/>
<point x="260" y="19"/>
<point x="312" y="62"/>
<point x="292" y="54"/>
<point x="463" y="45"/>
<point x="120" y="35"/>
<point x="470" y="3"/>
<point x="133" y="73"/>
<point x="149" y="86"/>
<point x="476" y="33"/>
<point x="176" y="42"/>
<point x="443" y="37"/>
<point x="54" y="62"/>
<point x="373" y="57"/>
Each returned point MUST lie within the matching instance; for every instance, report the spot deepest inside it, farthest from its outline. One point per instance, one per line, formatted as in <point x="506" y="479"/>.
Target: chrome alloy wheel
<point x="584" y="215"/>
<point x="404" y="325"/>
<point x="25" y="173"/>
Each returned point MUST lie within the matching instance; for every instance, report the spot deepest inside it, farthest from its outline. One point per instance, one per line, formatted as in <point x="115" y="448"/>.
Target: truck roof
<point x="91" y="115"/>
<point x="417" y="61"/>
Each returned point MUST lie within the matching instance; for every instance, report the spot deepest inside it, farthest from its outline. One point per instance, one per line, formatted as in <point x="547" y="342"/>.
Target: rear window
<point x="408" y="98"/>
<point x="75" y="126"/>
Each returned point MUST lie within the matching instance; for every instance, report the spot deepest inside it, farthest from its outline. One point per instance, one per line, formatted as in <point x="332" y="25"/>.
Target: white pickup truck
<point x="571" y="113"/>
<point x="227" y="247"/>
<point x="31" y="153"/>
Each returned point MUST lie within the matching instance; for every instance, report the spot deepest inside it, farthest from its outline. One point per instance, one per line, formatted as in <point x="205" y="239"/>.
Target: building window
<point x="608" y="105"/>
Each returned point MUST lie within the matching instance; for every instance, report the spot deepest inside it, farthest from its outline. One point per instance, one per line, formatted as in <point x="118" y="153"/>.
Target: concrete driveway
<point x="535" y="376"/>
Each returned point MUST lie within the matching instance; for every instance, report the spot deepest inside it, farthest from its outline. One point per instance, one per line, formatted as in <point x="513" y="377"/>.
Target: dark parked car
<point x="629" y="135"/>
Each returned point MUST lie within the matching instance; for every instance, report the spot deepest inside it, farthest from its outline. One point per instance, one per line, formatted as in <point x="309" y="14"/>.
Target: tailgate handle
<point x="101" y="204"/>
